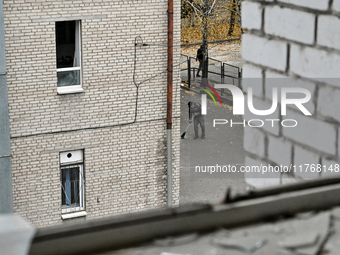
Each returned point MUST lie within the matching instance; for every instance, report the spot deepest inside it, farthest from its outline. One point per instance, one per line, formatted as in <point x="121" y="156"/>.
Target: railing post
<point x="222" y="77"/>
<point x="189" y="72"/>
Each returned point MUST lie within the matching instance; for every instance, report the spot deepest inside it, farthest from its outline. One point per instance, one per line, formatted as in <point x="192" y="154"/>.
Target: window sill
<point x="73" y="215"/>
<point x="69" y="90"/>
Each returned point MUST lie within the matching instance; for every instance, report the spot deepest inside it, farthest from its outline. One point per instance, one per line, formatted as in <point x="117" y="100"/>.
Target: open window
<point x="68" y="49"/>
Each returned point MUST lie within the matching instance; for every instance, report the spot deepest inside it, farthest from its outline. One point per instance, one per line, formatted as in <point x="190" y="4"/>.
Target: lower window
<point x="72" y="188"/>
<point x="72" y="181"/>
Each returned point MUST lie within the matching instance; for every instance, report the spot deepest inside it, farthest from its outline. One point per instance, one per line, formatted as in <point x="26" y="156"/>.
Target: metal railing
<point x="218" y="71"/>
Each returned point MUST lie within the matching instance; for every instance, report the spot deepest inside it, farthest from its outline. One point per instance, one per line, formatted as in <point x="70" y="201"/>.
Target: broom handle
<point x="187" y="127"/>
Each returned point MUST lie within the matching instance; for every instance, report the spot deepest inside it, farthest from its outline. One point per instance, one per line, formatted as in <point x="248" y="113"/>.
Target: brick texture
<point x="279" y="151"/>
<point x="303" y="59"/>
<point x="336" y="5"/>
<point x="264" y="52"/>
<point x="253" y="19"/>
<point x="297" y="46"/>
<point x="329" y="31"/>
<point x="304" y="156"/>
<point x="328" y="102"/>
<point x="125" y="162"/>
<point x="290" y="24"/>
<point x="254" y="141"/>
<point x="308" y="132"/>
<point x="313" y="4"/>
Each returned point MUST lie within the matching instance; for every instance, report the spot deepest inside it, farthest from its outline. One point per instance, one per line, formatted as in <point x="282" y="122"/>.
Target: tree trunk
<point x="232" y="18"/>
<point x="239" y="11"/>
<point x="205" y="45"/>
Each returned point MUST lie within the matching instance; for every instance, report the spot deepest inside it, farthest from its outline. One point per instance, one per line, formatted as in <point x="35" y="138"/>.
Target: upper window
<point x="72" y="181"/>
<point x="68" y="48"/>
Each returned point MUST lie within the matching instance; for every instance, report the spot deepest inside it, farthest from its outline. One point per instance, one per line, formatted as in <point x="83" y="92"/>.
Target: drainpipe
<point x="169" y="99"/>
<point x="6" y="197"/>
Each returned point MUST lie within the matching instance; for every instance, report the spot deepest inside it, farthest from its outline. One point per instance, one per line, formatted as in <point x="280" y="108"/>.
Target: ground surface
<point x="229" y="52"/>
<point x="222" y="146"/>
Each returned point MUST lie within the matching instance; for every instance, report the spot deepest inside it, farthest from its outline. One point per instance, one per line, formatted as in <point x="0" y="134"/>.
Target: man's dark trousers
<point x="199" y="119"/>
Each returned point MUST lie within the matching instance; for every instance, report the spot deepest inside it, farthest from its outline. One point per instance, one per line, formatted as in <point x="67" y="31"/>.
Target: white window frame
<point x="74" y="88"/>
<point x="67" y="161"/>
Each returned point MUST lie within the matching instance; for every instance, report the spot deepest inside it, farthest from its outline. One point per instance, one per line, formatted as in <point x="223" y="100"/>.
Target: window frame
<point x="65" y="163"/>
<point x="78" y="48"/>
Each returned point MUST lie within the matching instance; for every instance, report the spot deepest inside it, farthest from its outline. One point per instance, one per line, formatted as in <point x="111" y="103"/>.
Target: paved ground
<point x="222" y="146"/>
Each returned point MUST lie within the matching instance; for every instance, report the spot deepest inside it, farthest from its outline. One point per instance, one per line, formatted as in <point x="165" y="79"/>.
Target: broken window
<point x="72" y="181"/>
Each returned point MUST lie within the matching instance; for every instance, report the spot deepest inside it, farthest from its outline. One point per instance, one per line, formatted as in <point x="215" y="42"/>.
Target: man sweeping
<point x="196" y="114"/>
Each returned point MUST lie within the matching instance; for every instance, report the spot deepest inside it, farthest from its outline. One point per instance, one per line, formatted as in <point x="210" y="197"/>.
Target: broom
<point x="185" y="131"/>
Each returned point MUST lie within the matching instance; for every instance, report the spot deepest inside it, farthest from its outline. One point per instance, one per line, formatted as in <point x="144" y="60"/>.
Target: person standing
<point x="196" y="114"/>
<point x="199" y="57"/>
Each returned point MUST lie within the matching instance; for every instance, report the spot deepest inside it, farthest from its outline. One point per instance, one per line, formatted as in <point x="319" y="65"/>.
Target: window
<point x="72" y="182"/>
<point x="68" y="48"/>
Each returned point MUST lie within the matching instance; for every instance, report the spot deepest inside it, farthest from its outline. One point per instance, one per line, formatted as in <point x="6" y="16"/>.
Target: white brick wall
<point x="301" y="157"/>
<point x="314" y="63"/>
<point x="290" y="24"/>
<point x="264" y="52"/>
<point x="259" y="179"/>
<point x="331" y="168"/>
<point x="314" y="4"/>
<point x="329" y="31"/>
<point x="253" y="19"/>
<point x="310" y="32"/>
<point x="336" y="5"/>
<point x="312" y="132"/>
<point x="279" y="151"/>
<point x="254" y="141"/>
<point x="271" y="121"/>
<point x="251" y="71"/>
<point x="252" y="78"/>
<point x="328" y="102"/>
<point x="280" y="81"/>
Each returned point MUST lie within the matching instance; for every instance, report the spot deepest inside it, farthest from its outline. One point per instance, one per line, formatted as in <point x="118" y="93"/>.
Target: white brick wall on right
<point x="336" y="5"/>
<point x="301" y="157"/>
<point x="264" y="52"/>
<point x="297" y="46"/>
<point x="253" y="19"/>
<point x="330" y="168"/>
<point x="260" y="179"/>
<point x="313" y="4"/>
<point x="329" y="31"/>
<point x="290" y="24"/>
<point x="279" y="151"/>
<point x="312" y="132"/>
<point x="329" y="103"/>
<point x="314" y="63"/>
<point x="279" y="81"/>
<point x="254" y="141"/>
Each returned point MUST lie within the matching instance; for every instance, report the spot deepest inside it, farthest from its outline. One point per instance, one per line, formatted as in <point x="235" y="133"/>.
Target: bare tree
<point x="204" y="10"/>
<point x="234" y="8"/>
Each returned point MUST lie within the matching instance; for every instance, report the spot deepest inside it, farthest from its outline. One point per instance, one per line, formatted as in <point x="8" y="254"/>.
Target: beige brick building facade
<point x="123" y="162"/>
